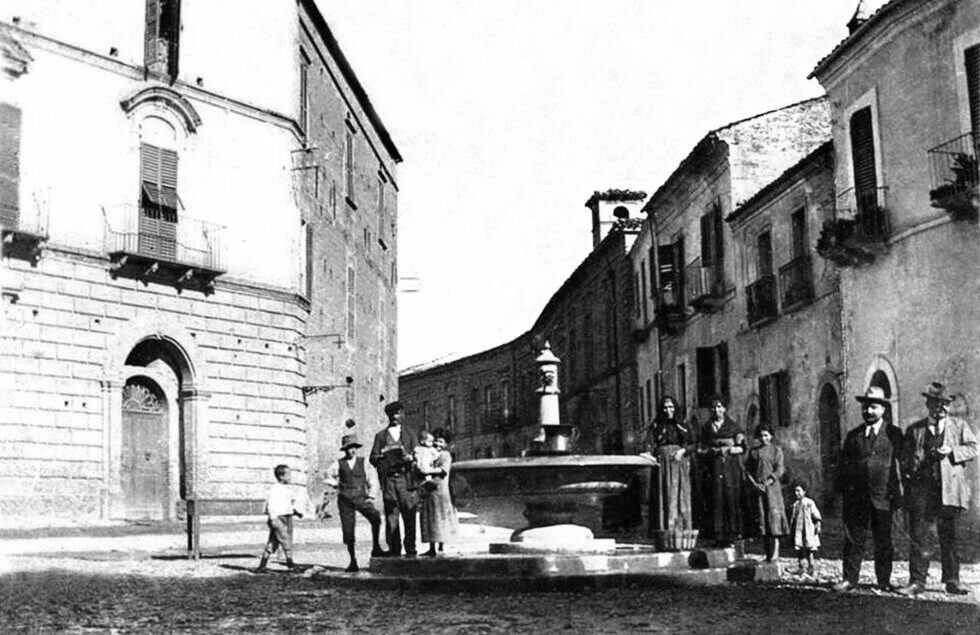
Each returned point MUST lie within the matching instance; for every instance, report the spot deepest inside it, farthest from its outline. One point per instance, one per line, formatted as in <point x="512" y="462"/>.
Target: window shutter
<point x="10" y="118"/>
<point x="783" y="394"/>
<point x="666" y="268"/>
<point x="722" y="368"/>
<point x="706" y="240"/>
<point x="973" y="86"/>
<point x="798" y="220"/>
<point x="765" y="400"/>
<point x="679" y="269"/>
<point x="309" y="260"/>
<point x="170" y="33"/>
<point x="706" y="376"/>
<point x="863" y="152"/>
<point x="764" y="249"/>
<point x="652" y="255"/>
<point x="719" y="238"/>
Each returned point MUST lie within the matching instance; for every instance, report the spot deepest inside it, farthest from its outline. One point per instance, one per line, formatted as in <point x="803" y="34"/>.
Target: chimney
<point x="859" y="18"/>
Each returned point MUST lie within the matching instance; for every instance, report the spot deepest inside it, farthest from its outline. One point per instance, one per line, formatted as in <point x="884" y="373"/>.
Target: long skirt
<point x="673" y="491"/>
<point x="438" y="516"/>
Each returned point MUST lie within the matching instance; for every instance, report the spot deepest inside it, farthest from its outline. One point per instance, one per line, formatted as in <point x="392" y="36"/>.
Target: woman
<point x="763" y="470"/>
<point x="719" y="446"/>
<point x="438" y="516"/>
<point x="667" y="442"/>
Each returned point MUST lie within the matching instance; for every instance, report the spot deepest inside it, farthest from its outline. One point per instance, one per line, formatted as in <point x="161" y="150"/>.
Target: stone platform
<point x="628" y="565"/>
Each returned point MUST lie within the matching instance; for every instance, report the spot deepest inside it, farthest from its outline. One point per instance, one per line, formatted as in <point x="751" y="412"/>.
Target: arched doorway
<point x="145" y="456"/>
<point x="880" y="380"/>
<point x="828" y="413"/>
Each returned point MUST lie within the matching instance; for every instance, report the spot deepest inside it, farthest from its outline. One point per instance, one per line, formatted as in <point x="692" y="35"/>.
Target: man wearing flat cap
<point x="868" y="479"/>
<point x="391" y="454"/>
<point x="354" y="486"/>
<point x="933" y="459"/>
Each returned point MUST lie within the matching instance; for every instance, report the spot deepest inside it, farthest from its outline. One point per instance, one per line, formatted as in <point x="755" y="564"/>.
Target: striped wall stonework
<point x="70" y="337"/>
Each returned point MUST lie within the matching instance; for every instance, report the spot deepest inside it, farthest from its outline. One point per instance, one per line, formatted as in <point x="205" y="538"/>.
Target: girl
<point x="439" y="523"/>
<point x="763" y="469"/>
<point x="805" y="527"/>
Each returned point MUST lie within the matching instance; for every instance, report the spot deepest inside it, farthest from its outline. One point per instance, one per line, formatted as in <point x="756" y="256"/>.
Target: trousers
<point x="399" y="501"/>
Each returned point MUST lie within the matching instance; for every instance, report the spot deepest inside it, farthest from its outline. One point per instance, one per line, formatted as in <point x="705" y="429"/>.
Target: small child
<point x="350" y="478"/>
<point x="425" y="457"/>
<point x="805" y="527"/>
<point x="280" y="507"/>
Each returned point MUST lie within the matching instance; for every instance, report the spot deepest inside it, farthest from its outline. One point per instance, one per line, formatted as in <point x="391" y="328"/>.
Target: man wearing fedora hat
<point x="350" y="477"/>
<point x="868" y="479"/>
<point x="933" y="457"/>
<point x="391" y="455"/>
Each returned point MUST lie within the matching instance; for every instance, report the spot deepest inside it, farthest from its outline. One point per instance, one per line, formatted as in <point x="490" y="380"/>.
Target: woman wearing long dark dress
<point x="764" y="467"/>
<point x="668" y="441"/>
<point x="439" y="523"/>
<point x="719" y="445"/>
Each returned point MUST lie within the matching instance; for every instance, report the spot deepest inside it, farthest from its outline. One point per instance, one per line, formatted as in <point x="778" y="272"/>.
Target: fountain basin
<point x="608" y="494"/>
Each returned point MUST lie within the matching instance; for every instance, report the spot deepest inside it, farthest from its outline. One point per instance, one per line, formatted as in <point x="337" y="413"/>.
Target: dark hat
<point x="938" y="391"/>
<point x="349" y="440"/>
<point x="393" y="407"/>
<point x="874" y="394"/>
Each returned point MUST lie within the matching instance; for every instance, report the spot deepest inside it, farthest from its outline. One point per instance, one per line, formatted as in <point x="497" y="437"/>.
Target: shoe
<point x="378" y="552"/>
<point x="843" y="586"/>
<point x="352" y="568"/>
<point x="809" y="570"/>
<point x="411" y="554"/>
<point x="886" y="587"/>
<point x="430" y="554"/>
<point x="913" y="589"/>
<point x="954" y="588"/>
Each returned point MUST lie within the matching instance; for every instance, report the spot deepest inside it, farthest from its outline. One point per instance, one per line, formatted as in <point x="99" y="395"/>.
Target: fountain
<point x="570" y="518"/>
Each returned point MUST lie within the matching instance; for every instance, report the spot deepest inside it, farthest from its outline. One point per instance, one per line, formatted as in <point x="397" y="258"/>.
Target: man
<point x="391" y="454"/>
<point x="933" y="457"/>
<point x="868" y="478"/>
<point x="355" y="493"/>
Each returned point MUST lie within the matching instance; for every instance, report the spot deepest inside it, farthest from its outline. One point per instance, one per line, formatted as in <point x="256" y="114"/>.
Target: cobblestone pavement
<point x="117" y="593"/>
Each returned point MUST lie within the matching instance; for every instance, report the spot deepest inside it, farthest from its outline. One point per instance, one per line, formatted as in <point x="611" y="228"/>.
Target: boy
<point x="350" y="478"/>
<point x="280" y="507"/>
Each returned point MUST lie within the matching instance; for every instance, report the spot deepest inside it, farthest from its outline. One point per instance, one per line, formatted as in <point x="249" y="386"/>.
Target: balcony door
<point x="158" y="202"/>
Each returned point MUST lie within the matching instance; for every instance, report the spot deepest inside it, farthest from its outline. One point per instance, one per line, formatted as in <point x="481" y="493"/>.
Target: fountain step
<point x="522" y="565"/>
<point x="482" y="581"/>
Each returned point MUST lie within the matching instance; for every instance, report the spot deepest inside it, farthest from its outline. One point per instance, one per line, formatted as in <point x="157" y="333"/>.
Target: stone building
<point x="905" y="92"/>
<point x="690" y="313"/>
<point x="198" y="248"/>
<point x="489" y="399"/>
<point x="786" y="354"/>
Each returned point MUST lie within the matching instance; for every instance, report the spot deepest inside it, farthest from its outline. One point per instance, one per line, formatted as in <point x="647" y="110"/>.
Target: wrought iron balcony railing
<point x="796" y="281"/>
<point x="867" y="210"/>
<point x="703" y="285"/>
<point x="761" y="299"/>
<point x="954" y="175"/>
<point x="163" y="239"/>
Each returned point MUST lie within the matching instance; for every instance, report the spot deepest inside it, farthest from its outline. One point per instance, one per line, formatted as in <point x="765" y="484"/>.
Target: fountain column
<point x="554" y="437"/>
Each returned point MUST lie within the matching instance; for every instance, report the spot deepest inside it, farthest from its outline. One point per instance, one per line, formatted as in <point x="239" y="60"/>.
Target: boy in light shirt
<point x="280" y="507"/>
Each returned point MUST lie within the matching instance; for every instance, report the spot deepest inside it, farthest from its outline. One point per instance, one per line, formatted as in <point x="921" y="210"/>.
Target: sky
<point x="510" y="113"/>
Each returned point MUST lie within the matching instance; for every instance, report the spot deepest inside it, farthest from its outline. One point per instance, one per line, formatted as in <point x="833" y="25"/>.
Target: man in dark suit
<point x="937" y="491"/>
<point x="868" y="478"/>
<point x="391" y="455"/>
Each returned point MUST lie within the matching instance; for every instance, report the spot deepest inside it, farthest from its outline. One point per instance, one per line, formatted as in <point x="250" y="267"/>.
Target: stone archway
<point x="881" y="373"/>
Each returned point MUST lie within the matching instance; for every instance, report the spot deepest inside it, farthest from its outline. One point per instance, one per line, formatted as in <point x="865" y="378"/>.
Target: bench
<point x="197" y="507"/>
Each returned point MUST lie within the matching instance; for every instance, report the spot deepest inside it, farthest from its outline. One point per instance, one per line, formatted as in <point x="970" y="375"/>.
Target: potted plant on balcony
<point x="958" y="195"/>
<point x="837" y="243"/>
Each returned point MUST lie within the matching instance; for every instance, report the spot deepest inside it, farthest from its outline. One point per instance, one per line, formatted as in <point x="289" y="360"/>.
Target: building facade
<point x="905" y="89"/>
<point x="786" y="363"/>
<point x="170" y="276"/>
<point x="692" y="315"/>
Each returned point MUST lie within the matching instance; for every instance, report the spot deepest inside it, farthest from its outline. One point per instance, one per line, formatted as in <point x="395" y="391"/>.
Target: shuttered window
<point x="679" y="270"/>
<point x="10" y="118"/>
<point x="973" y="85"/>
<point x="863" y="154"/>
<point x="798" y="231"/>
<point x="774" y="399"/>
<point x="712" y="370"/>
<point x="304" y="91"/>
<point x="652" y="256"/>
<point x="707" y="240"/>
<point x="158" y="202"/>
<point x="764" y="251"/>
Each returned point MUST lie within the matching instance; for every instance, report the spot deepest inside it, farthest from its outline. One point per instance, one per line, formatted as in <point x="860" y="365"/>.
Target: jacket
<point x="917" y="459"/>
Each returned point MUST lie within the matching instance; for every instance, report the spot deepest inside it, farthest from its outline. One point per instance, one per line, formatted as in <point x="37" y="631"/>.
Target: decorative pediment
<point x="168" y="98"/>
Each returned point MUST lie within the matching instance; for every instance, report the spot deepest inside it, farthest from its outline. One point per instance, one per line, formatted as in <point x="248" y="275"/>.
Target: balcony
<point x="860" y="230"/>
<point x="163" y="246"/>
<point x="669" y="310"/>
<point x="23" y="236"/>
<point x="704" y="287"/>
<point x="796" y="281"/>
<point x="954" y="177"/>
<point x="761" y="300"/>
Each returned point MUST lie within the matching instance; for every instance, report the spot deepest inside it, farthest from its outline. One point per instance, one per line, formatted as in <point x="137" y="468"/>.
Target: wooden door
<point x="144" y="451"/>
